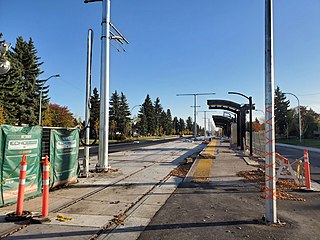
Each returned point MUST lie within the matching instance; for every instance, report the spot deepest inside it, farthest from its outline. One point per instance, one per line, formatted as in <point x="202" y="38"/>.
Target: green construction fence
<point x="16" y="142"/>
<point x="60" y="144"/>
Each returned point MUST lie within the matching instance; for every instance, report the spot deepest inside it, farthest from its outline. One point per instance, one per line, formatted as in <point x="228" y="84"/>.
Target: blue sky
<point x="176" y="46"/>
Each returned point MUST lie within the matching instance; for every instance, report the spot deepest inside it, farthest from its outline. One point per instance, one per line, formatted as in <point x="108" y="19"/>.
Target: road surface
<point x="293" y="153"/>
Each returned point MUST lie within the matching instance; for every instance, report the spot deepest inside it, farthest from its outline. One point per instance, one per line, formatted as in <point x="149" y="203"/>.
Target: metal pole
<point x="270" y="188"/>
<point x="104" y="87"/>
<point x="299" y="115"/>
<point x="205" y="123"/>
<point x="195" y="106"/>
<point x="40" y="106"/>
<point x="250" y="127"/>
<point x="195" y="117"/>
<point x="40" y="97"/>
<point x="87" y="110"/>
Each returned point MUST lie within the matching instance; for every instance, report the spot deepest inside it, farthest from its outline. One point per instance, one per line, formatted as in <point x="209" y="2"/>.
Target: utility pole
<point x="270" y="181"/>
<point x="40" y="97"/>
<point x="87" y="109"/>
<point x="106" y="36"/>
<point x="205" y="122"/>
<point x="195" y="108"/>
<point x="299" y="115"/>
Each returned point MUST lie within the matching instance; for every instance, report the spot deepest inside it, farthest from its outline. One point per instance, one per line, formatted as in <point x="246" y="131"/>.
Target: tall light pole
<point x="132" y="116"/>
<point x="299" y="114"/>
<point x="106" y="36"/>
<point x="40" y="100"/>
<point x="195" y="108"/>
<point x="205" y="121"/>
<point x="270" y="182"/>
<point x="250" y="106"/>
<point x="259" y="110"/>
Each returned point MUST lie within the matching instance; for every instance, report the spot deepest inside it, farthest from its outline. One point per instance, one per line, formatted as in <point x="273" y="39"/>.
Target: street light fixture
<point x="250" y="106"/>
<point x="299" y="115"/>
<point x="40" y="101"/>
<point x="195" y="108"/>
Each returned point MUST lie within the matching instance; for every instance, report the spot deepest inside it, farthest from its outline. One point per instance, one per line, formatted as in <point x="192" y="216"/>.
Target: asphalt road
<point x="314" y="158"/>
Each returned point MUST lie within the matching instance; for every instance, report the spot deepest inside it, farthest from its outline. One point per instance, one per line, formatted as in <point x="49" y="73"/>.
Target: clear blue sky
<point x="176" y="46"/>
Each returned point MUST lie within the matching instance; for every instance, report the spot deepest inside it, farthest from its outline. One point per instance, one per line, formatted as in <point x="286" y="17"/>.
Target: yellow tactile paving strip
<point x="202" y="172"/>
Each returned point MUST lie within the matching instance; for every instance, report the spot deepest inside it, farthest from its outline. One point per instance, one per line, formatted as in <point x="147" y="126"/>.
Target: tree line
<point x="287" y="119"/>
<point x="152" y="118"/>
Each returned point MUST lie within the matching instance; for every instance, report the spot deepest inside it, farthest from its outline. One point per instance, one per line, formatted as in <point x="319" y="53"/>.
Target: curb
<point x="299" y="147"/>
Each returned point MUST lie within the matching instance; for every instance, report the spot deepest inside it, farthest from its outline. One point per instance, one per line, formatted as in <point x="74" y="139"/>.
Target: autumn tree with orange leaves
<point x="257" y="126"/>
<point x="58" y="116"/>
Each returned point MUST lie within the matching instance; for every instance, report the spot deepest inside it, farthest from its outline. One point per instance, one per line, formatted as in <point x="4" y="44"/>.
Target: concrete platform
<point x="136" y="189"/>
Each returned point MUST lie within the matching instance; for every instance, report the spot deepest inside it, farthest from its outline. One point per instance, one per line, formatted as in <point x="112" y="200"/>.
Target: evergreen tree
<point x="20" y="87"/>
<point x="281" y="112"/>
<point x="189" y="125"/>
<point x="95" y="110"/>
<point x="28" y="85"/>
<point x="182" y="126"/>
<point x="8" y="88"/>
<point x="147" y="124"/>
<point x="157" y="114"/>
<point x="168" y="128"/>
<point x="124" y="116"/>
<point x="114" y="113"/>
<point x="163" y="123"/>
<point x="176" y="125"/>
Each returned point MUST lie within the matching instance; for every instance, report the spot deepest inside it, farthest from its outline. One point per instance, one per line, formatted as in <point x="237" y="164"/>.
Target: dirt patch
<point x="282" y="188"/>
<point x="182" y="170"/>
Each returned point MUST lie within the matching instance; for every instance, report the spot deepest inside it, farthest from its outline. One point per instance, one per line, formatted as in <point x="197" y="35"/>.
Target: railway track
<point x="117" y="219"/>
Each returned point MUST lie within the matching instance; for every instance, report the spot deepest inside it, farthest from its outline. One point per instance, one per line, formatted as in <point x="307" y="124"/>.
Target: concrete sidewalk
<point x="138" y="184"/>
<point x="221" y="205"/>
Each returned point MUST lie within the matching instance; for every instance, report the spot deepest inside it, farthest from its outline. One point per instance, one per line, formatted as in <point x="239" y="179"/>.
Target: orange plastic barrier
<point x="45" y="187"/>
<point x="306" y="165"/>
<point x="282" y="158"/>
<point x="22" y="182"/>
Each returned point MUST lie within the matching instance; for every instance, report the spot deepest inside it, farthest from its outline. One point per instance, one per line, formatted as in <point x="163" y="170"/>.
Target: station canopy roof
<point x="224" y="105"/>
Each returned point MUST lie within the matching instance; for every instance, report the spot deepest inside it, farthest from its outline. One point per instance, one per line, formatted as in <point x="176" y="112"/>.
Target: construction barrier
<point x="16" y="142"/>
<point x="45" y="187"/>
<point x="61" y="144"/>
<point x="22" y="182"/>
<point x="306" y="165"/>
<point x="64" y="149"/>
